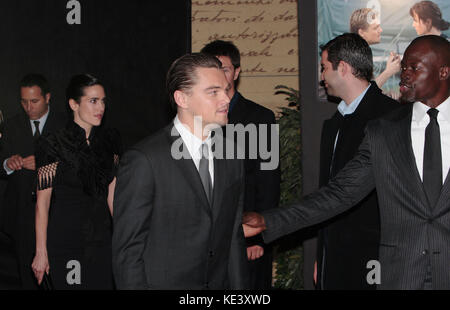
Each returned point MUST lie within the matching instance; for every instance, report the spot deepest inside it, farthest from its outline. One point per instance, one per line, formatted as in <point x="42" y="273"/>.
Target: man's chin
<point x="405" y="97"/>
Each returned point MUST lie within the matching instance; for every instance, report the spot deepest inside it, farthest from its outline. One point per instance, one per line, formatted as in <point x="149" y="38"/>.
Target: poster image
<point x="395" y="23"/>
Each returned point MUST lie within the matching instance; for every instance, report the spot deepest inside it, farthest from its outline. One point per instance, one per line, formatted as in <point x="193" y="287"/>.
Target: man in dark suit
<point x="177" y="206"/>
<point x="262" y="187"/>
<point x="406" y="156"/>
<point x="349" y="241"/>
<point x="18" y="166"/>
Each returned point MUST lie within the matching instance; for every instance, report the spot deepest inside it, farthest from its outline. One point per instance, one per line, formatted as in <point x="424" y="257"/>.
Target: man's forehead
<point x="421" y="52"/>
<point x="209" y="75"/>
<point x="34" y="89"/>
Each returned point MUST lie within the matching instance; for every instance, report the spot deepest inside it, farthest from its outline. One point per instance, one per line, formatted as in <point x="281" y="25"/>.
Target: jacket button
<point x="424" y="252"/>
<point x="211" y="253"/>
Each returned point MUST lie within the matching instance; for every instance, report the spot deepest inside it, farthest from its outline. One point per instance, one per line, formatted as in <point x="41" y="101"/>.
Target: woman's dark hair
<point x="78" y="83"/>
<point x="429" y="10"/>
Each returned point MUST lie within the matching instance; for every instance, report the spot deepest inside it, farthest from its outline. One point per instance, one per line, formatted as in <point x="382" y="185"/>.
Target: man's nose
<point x="226" y="97"/>
<point x="404" y="75"/>
<point x="27" y="106"/>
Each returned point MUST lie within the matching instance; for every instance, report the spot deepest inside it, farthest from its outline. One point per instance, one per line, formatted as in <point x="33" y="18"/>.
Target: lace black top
<point x="79" y="174"/>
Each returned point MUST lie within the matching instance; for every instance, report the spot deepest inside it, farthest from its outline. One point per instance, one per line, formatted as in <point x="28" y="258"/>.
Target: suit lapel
<point x="442" y="204"/>
<point x="398" y="137"/>
<point x="27" y="136"/>
<point x="330" y="128"/>
<point x="187" y="167"/>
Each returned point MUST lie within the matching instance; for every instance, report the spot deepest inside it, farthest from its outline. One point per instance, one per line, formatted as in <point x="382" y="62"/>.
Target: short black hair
<point x="77" y="84"/>
<point x="182" y="73"/>
<point x="354" y="50"/>
<point x="35" y="79"/>
<point x="223" y="48"/>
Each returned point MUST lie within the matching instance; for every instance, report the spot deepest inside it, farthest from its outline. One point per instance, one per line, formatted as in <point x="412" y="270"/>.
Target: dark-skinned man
<point x="406" y="156"/>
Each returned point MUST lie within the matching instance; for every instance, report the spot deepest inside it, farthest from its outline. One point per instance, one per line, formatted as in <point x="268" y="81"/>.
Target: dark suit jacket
<point x="414" y="235"/>
<point x="18" y="208"/>
<point x="350" y="240"/>
<point x="166" y="235"/>
<point x="262" y="187"/>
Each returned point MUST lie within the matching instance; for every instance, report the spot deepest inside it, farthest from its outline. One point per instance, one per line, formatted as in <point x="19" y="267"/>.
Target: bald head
<point x="437" y="44"/>
<point x="425" y="73"/>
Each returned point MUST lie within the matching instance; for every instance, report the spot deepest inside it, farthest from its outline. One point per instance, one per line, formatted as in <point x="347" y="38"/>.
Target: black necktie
<point x="37" y="133"/>
<point x="203" y="170"/>
<point x="432" y="159"/>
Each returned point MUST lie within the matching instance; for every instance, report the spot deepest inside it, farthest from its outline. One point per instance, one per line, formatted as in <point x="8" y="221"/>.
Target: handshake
<point x="253" y="224"/>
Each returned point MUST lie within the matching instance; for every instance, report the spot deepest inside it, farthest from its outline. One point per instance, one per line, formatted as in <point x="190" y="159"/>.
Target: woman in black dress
<point x="76" y="168"/>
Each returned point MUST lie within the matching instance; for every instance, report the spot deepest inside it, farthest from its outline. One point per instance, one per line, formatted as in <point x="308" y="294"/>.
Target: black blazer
<point x="18" y="139"/>
<point x="414" y="235"/>
<point x="262" y="187"/>
<point x="166" y="235"/>
<point x="348" y="241"/>
<point x="17" y="217"/>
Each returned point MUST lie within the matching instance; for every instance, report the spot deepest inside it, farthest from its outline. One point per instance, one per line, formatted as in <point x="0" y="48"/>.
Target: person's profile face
<point x="231" y="73"/>
<point x="33" y="102"/>
<point x="329" y="76"/>
<point x="89" y="111"/>
<point x="420" y="25"/>
<point x="372" y="34"/>
<point x="419" y="79"/>
<point x="208" y="97"/>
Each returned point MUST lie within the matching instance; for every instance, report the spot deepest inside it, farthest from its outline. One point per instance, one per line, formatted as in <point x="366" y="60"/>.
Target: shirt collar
<point x="191" y="141"/>
<point x="420" y="110"/>
<point x="41" y="120"/>
<point x="345" y="109"/>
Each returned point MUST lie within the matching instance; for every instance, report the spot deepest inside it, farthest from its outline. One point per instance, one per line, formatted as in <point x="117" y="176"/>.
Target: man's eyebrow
<point x="212" y="87"/>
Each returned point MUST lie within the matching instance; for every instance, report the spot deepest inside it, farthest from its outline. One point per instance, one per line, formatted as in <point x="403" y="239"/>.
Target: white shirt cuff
<point x="5" y="166"/>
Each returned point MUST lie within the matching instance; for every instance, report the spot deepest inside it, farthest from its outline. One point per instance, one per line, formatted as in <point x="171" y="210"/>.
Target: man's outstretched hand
<point x="253" y="224"/>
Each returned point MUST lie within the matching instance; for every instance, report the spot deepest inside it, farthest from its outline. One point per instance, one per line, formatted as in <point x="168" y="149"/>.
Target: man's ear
<point x="361" y="33"/>
<point x="343" y="67"/>
<point x="74" y="105"/>
<point x="236" y="73"/>
<point x="180" y="99"/>
<point x="444" y="73"/>
<point x="47" y="98"/>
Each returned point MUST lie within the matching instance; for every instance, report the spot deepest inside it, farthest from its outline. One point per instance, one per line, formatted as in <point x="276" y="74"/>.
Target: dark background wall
<point x="314" y="112"/>
<point x="129" y="45"/>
